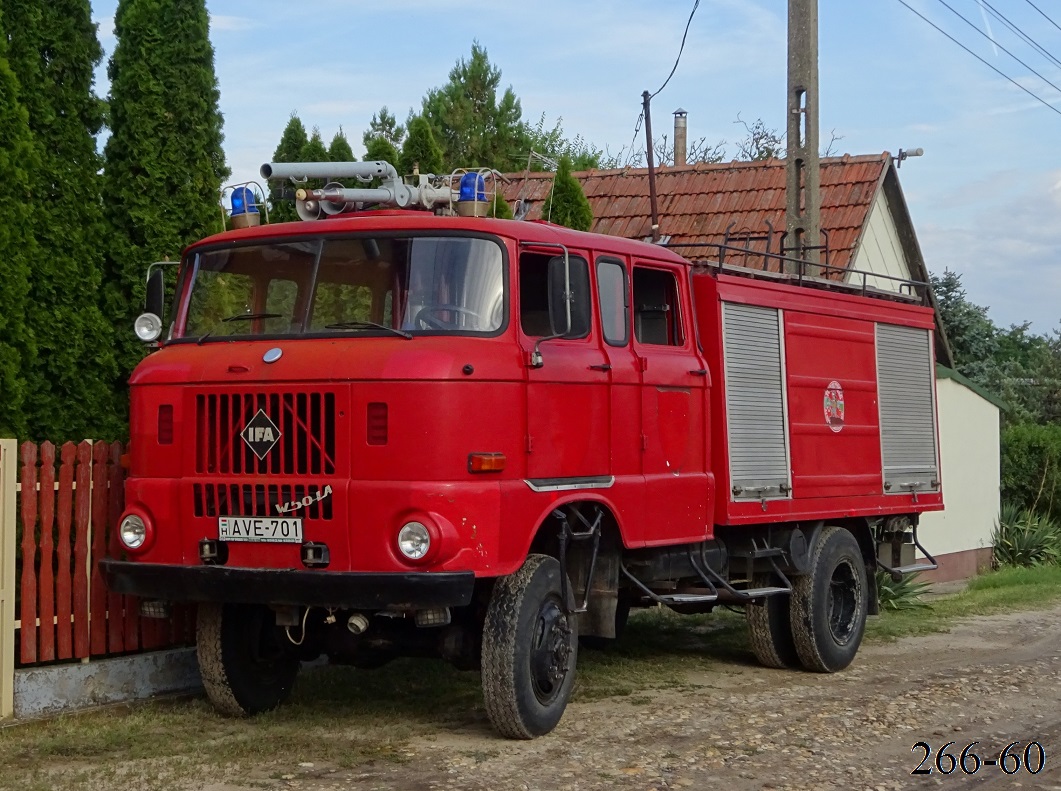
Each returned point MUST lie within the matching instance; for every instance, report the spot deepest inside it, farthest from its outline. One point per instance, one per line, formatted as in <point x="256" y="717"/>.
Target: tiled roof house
<point x="864" y="213"/>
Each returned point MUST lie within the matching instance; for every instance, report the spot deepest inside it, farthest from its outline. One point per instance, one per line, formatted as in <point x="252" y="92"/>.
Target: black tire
<point x="622" y="615"/>
<point x="770" y="627"/>
<point x="246" y="664"/>
<point x="830" y="603"/>
<point x="530" y="646"/>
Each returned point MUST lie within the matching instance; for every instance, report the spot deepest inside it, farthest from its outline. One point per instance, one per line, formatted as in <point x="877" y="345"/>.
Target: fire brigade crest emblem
<point x="834" y="406"/>
<point x="261" y="434"/>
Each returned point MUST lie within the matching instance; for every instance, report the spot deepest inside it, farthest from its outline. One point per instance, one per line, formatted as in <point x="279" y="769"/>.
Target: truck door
<point x="567" y="395"/>
<point x="613" y="300"/>
<point x="673" y="393"/>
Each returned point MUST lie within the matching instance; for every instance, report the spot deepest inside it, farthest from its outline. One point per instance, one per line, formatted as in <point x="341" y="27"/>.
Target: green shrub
<point x="902" y="595"/>
<point x="1025" y="538"/>
<point x="1031" y="467"/>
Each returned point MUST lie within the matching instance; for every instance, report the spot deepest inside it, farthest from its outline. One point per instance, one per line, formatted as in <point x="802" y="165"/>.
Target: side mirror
<point x="156" y="292"/>
<point x="560" y="295"/>
<point x="148" y="326"/>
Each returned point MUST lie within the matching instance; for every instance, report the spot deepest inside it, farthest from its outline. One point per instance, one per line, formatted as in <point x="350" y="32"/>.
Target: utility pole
<point x="647" y="106"/>
<point x="803" y="182"/>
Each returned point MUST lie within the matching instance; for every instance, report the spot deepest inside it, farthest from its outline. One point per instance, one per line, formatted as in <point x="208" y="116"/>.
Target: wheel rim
<point x="550" y="651"/>
<point x="843" y="603"/>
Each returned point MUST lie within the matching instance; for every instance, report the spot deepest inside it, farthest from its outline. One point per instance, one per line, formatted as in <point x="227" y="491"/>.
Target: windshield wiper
<point x="252" y="316"/>
<point x="362" y="325"/>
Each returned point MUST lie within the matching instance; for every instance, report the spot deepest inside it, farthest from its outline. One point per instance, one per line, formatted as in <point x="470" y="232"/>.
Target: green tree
<point x="553" y="144"/>
<point x="18" y="161"/>
<point x="972" y="335"/>
<point x="164" y="161"/>
<point x="54" y="56"/>
<point x="314" y="151"/>
<point x="566" y="203"/>
<point x="499" y="208"/>
<point x="340" y="150"/>
<point x="420" y="149"/>
<point x="380" y="149"/>
<point x="385" y="125"/>
<point x="473" y="124"/>
<point x="281" y="194"/>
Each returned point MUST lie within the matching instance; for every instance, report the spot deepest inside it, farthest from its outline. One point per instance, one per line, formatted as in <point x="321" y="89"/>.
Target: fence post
<point x="8" y="523"/>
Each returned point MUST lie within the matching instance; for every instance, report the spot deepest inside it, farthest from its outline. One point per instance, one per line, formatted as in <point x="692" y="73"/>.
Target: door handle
<point x="601" y="367"/>
<point x="699" y="372"/>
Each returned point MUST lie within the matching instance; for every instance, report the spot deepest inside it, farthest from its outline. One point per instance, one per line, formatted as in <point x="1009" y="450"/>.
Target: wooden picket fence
<point x="69" y="501"/>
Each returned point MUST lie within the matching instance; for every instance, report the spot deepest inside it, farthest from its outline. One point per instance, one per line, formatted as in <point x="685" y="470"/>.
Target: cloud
<point x="228" y="24"/>
<point x="1010" y="256"/>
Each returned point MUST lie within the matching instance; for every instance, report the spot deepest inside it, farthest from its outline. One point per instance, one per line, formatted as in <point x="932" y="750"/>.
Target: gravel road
<point x="993" y="680"/>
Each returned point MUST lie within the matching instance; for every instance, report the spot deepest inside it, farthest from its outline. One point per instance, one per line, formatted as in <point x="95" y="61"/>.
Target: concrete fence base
<point x="44" y="691"/>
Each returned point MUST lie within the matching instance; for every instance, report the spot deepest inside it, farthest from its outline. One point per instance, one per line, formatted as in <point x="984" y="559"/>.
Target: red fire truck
<point x="422" y="431"/>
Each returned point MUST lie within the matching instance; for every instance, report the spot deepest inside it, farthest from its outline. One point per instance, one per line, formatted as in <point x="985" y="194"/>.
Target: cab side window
<point x="657" y="319"/>
<point x="542" y="300"/>
<point x="614" y="297"/>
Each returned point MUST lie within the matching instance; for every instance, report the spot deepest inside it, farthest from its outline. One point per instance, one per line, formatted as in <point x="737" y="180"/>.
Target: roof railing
<point x="744" y="261"/>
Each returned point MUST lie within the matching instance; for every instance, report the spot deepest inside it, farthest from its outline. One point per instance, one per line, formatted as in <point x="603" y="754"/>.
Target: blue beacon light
<point x="244" y="208"/>
<point x="472" y="187"/>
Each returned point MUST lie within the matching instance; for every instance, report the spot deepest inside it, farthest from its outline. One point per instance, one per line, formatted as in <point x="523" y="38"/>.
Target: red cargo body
<point x="826" y="338"/>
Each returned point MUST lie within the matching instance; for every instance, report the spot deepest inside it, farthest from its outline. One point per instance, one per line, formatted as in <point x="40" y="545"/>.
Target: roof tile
<point x="697" y="204"/>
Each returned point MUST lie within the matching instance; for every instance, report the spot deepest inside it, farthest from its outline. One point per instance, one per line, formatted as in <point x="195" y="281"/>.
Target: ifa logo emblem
<point x="261" y="434"/>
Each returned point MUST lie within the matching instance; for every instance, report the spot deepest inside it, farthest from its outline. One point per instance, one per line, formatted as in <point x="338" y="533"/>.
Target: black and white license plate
<point x="265" y="529"/>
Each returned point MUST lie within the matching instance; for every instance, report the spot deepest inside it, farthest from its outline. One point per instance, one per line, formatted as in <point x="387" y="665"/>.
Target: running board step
<point x="762" y="593"/>
<point x="915" y="568"/>
<point x="686" y="598"/>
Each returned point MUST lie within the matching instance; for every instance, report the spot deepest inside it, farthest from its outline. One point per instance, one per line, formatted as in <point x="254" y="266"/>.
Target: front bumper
<point x="354" y="590"/>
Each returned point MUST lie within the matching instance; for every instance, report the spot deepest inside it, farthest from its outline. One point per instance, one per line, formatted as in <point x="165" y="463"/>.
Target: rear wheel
<point x="246" y="664"/>
<point x="830" y="603"/>
<point x="530" y="645"/>
<point x="770" y="626"/>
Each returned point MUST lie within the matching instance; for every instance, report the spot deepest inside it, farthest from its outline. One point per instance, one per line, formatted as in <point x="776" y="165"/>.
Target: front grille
<point x="258" y="499"/>
<point x="306" y="423"/>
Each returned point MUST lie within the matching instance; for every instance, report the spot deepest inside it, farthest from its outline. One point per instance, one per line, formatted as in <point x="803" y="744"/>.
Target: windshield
<point x="355" y="285"/>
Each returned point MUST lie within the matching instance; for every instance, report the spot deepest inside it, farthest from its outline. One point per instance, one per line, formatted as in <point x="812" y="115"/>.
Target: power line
<point x="973" y="25"/>
<point x="696" y="5"/>
<point x="1027" y="39"/>
<point x="997" y="71"/>
<point x="1048" y="19"/>
<point x="637" y="128"/>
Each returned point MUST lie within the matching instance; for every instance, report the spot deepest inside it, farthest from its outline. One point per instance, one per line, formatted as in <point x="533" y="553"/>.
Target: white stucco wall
<point x="968" y="435"/>
<point x="880" y="250"/>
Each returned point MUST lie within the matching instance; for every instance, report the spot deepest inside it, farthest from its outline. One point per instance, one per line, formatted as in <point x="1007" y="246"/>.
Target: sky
<point x="985" y="198"/>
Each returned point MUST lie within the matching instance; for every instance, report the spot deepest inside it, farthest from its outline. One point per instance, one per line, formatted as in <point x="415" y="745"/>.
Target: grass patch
<point x="1007" y="589"/>
<point x="660" y="649"/>
<point x="338" y="716"/>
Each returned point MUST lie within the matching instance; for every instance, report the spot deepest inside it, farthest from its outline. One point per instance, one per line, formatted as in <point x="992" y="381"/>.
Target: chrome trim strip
<point x="569" y="484"/>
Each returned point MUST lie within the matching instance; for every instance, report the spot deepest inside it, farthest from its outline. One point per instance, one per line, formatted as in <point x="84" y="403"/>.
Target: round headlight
<point x="133" y="531"/>
<point x="148" y="327"/>
<point x="414" y="541"/>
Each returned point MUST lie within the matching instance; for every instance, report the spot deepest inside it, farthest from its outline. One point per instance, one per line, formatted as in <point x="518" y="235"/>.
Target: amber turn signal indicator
<point x="486" y="462"/>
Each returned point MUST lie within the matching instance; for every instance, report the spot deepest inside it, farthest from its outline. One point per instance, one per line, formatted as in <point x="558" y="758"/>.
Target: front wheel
<point x="246" y="665"/>
<point x="530" y="645"/>
<point x="830" y="603"/>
